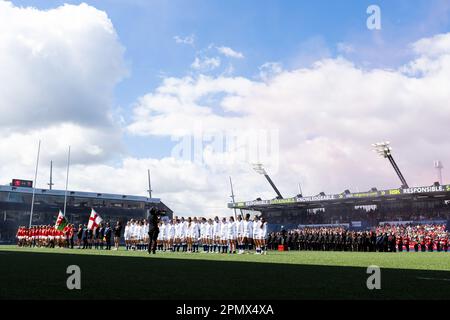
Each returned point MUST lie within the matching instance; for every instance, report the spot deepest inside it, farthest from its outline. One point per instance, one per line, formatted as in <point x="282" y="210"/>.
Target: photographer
<point x="153" y="230"/>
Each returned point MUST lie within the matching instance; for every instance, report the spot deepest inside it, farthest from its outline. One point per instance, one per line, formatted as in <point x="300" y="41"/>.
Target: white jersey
<point x="203" y="226"/>
<point x="126" y="233"/>
<point x="170" y="231"/>
<point x="216" y="229"/>
<point x="189" y="230"/>
<point x="142" y="229"/>
<point x="139" y="232"/>
<point x="162" y="232"/>
<point x="195" y="233"/>
<point x="263" y="231"/>
<point x="208" y="230"/>
<point x="132" y="227"/>
<point x="224" y="231"/>
<point x="256" y="227"/>
<point x="248" y="228"/>
<point x="145" y="231"/>
<point x="232" y="231"/>
<point x="184" y="229"/>
<point x="239" y="228"/>
<point x="166" y="231"/>
<point x="177" y="227"/>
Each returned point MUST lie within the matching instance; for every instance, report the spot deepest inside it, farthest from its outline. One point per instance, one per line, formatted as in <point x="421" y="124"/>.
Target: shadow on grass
<point x="26" y="275"/>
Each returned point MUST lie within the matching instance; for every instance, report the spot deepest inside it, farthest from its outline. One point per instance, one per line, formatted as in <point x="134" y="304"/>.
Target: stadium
<point x="15" y="204"/>
<point x="359" y="210"/>
<point x="287" y="272"/>
<point x="311" y="241"/>
<point x="197" y="92"/>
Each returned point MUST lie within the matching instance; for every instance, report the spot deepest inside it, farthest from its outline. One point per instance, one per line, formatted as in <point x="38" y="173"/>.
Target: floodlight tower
<point x="438" y="166"/>
<point x="258" y="167"/>
<point x="384" y="150"/>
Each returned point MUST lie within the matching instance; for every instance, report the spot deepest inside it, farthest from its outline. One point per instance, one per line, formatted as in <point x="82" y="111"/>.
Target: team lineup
<point x="217" y="235"/>
<point x="188" y="234"/>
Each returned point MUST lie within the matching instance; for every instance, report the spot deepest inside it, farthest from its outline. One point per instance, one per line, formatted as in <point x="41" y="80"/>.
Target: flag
<point x="94" y="220"/>
<point x="61" y="221"/>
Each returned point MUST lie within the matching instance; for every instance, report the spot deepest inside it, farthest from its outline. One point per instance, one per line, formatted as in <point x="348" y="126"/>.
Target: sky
<point x="197" y="91"/>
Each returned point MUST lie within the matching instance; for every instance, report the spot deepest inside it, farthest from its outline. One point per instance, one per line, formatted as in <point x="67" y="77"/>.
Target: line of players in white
<point x="215" y="235"/>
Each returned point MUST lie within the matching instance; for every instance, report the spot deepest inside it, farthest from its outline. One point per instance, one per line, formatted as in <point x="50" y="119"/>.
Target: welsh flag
<point x="94" y="220"/>
<point x="61" y="222"/>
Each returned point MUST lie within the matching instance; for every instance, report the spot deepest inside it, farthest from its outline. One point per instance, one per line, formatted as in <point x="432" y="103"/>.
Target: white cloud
<point x="228" y="52"/>
<point x="59" y="68"/>
<point x="57" y="65"/>
<point x="205" y="64"/>
<point x="327" y="116"/>
<point x="89" y="145"/>
<point x="189" y="40"/>
<point x="434" y="46"/>
<point x="270" y="69"/>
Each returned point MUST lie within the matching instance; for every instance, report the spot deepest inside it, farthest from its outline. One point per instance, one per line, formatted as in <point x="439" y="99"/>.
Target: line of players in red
<point x="44" y="236"/>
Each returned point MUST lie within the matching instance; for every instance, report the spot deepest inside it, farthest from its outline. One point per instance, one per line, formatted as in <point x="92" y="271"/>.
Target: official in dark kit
<point x="153" y="228"/>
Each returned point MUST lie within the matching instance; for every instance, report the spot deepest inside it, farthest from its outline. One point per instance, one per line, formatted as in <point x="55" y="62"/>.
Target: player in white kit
<point x="195" y="235"/>
<point x="141" y="235"/>
<point x="177" y="234"/>
<point x="160" y="238"/>
<point x="256" y="234"/>
<point x="240" y="234"/>
<point x="210" y="235"/>
<point x="184" y="233"/>
<point x="166" y="235"/>
<point x="203" y="235"/>
<point x="126" y="235"/>
<point x="224" y="235"/>
<point x="170" y="235"/>
<point x="133" y="234"/>
<point x="263" y="236"/>
<point x="145" y="229"/>
<point x="232" y="235"/>
<point x="189" y="234"/>
<point x="216" y="234"/>
<point x="248" y="232"/>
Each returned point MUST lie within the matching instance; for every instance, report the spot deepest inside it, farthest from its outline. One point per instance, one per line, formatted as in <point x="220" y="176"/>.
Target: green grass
<point x="40" y="273"/>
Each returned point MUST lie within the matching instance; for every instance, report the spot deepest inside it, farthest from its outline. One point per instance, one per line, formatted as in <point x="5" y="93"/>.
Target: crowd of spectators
<point x="386" y="238"/>
<point x="372" y="216"/>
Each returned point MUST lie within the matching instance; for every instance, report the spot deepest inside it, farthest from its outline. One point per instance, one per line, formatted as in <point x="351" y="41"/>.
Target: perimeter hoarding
<point x="359" y="195"/>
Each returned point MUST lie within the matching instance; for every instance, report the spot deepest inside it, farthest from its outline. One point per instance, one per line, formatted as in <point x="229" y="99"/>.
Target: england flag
<point x="94" y="220"/>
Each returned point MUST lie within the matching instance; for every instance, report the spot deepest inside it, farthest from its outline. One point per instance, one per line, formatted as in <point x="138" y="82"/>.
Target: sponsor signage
<point x="358" y="195"/>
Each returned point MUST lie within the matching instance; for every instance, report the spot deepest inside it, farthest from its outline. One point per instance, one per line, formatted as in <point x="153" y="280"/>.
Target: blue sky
<point x="369" y="73"/>
<point x="264" y="30"/>
<point x="294" y="33"/>
<point x="291" y="32"/>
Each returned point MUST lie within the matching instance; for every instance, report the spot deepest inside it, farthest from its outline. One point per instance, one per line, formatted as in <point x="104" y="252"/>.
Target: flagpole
<point x="34" y="183"/>
<point x="67" y="183"/>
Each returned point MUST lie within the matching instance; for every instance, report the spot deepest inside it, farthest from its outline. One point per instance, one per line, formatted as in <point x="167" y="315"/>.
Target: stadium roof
<point x="360" y="198"/>
<point x="91" y="195"/>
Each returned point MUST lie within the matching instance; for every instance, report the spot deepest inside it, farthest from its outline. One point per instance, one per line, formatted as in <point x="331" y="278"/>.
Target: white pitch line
<point x="438" y="279"/>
